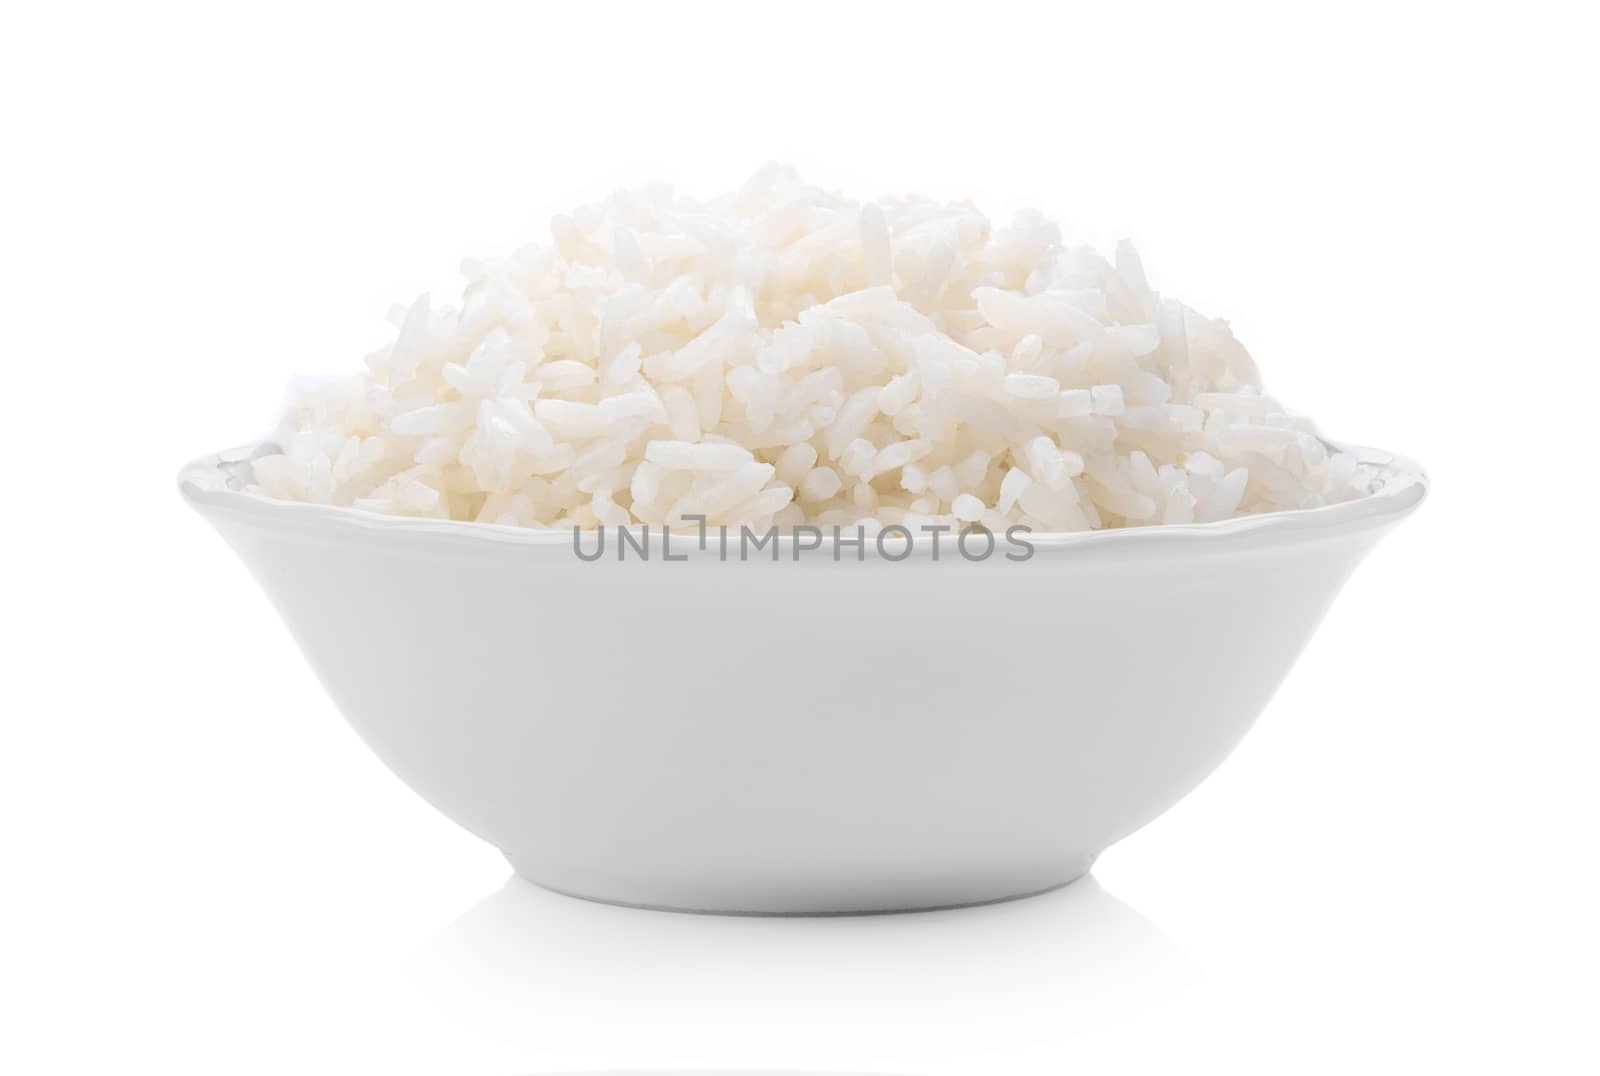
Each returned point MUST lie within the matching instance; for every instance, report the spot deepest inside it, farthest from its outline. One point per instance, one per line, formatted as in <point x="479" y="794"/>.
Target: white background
<point x="204" y="871"/>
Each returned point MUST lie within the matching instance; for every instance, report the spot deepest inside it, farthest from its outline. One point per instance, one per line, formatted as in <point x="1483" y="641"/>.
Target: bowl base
<point x="844" y="908"/>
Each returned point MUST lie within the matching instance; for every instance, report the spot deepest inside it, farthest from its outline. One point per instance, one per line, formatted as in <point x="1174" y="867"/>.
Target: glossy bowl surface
<point x="801" y="735"/>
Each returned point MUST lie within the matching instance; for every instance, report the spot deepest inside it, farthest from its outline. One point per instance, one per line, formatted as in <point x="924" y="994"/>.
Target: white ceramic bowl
<point x="802" y="736"/>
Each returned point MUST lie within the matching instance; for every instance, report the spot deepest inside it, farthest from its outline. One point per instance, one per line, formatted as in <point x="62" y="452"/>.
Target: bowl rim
<point x="1396" y="484"/>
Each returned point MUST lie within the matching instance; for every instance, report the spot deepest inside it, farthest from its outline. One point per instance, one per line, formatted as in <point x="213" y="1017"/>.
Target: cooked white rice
<point x="784" y="355"/>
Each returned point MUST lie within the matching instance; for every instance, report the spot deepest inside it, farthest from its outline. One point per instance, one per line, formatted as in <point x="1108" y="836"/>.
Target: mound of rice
<point x="783" y="355"/>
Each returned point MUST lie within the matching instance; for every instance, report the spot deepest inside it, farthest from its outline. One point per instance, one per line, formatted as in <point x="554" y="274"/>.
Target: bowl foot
<point x="813" y="908"/>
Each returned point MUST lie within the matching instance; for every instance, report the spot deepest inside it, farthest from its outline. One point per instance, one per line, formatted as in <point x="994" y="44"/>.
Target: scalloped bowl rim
<point x="1397" y="486"/>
